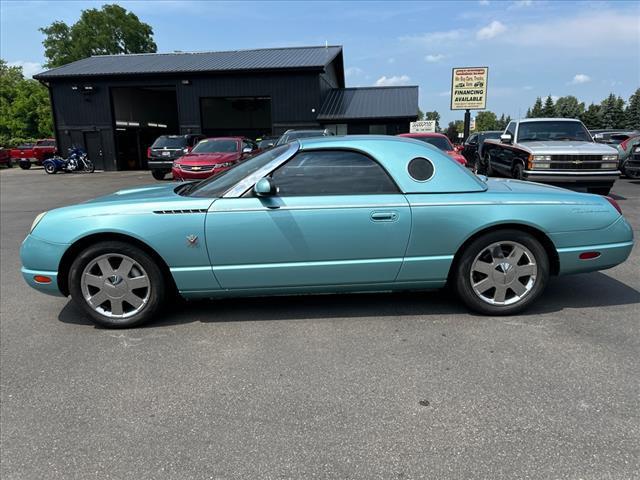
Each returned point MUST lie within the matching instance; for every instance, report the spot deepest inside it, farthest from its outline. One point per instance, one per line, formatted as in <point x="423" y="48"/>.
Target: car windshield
<point x="493" y="135"/>
<point x="552" y="131"/>
<point x="287" y="137"/>
<point x="440" y="142"/>
<point x="212" y="146"/>
<point x="216" y="186"/>
<point x="170" y="142"/>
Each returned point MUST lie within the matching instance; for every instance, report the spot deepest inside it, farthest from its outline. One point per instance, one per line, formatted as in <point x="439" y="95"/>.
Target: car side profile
<point x="323" y="215"/>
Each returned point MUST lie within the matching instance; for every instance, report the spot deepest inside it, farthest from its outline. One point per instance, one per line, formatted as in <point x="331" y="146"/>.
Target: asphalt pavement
<point x="388" y="386"/>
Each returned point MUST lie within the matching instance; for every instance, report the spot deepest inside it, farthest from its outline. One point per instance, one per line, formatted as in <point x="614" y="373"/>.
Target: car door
<point x="502" y="158"/>
<point x="469" y="148"/>
<point x="337" y="219"/>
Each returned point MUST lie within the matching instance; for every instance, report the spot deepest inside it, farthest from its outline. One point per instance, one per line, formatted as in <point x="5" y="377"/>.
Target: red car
<point x="5" y="158"/>
<point x="212" y="156"/>
<point x="26" y="154"/>
<point x="440" y="141"/>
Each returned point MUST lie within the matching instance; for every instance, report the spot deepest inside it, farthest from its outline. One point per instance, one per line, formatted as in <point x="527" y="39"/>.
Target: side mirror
<point x="505" y="138"/>
<point x="265" y="187"/>
<point x="247" y="150"/>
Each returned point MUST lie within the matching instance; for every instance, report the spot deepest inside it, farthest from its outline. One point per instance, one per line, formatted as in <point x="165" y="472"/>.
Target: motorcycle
<point x="76" y="161"/>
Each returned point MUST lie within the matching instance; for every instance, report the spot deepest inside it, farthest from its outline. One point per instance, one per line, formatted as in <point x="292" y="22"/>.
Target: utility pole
<point x="467" y="124"/>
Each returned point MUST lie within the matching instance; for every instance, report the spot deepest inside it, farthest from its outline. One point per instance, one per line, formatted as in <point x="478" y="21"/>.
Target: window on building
<point x="378" y="129"/>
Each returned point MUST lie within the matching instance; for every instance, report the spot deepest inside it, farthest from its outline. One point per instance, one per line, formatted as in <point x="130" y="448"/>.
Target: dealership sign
<point x="469" y="88"/>
<point x="422" y="126"/>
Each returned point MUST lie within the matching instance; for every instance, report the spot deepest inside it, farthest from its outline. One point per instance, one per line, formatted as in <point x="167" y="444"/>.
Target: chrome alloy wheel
<point x="115" y="285"/>
<point x="503" y="273"/>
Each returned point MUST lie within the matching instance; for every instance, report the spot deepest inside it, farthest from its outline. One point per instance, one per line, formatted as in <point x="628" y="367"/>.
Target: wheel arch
<point x="80" y="244"/>
<point x="538" y="234"/>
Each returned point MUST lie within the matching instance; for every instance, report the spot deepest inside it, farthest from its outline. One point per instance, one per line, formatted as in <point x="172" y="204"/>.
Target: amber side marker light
<point x="42" y="279"/>
<point x="588" y="255"/>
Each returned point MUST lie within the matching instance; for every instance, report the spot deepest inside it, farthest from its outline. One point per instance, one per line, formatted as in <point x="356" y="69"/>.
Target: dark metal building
<point x="116" y="105"/>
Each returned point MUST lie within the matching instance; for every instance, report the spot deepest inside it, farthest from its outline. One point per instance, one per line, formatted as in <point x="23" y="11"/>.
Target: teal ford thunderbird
<point x="320" y="215"/>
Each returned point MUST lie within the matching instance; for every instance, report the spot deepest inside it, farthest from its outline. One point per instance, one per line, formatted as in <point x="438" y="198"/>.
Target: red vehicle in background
<point x="5" y="158"/>
<point x="34" y="153"/>
<point x="212" y="156"/>
<point x="440" y="141"/>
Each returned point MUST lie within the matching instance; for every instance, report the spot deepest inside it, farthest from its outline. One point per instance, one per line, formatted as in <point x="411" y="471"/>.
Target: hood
<point x="208" y="158"/>
<point x="567" y="147"/>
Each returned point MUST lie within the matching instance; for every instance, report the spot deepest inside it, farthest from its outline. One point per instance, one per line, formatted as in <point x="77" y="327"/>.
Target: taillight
<point x="614" y="204"/>
<point x="148" y="152"/>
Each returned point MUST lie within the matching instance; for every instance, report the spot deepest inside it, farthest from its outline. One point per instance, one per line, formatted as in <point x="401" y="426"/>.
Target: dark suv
<point x="168" y="148"/>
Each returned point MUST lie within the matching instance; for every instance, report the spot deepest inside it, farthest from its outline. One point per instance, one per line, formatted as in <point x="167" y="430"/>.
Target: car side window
<point x="473" y="139"/>
<point x="332" y="172"/>
<point x="511" y="130"/>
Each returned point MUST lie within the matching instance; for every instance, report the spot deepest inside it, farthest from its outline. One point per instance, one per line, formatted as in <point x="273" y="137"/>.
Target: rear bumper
<point x="160" y="164"/>
<point x="555" y="176"/>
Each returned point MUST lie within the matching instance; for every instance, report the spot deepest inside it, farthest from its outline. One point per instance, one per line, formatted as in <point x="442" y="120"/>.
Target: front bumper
<point x="40" y="257"/>
<point x="557" y="176"/>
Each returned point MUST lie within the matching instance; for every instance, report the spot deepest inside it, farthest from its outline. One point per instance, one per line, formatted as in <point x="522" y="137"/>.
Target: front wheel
<point x="502" y="272"/>
<point x="117" y="284"/>
<point x="486" y="165"/>
<point x="158" y="174"/>
<point x="518" y="171"/>
<point x="50" y="168"/>
<point x="89" y="166"/>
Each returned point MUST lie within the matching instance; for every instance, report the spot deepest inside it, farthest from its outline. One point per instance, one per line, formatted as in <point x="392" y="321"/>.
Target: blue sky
<point x="533" y="48"/>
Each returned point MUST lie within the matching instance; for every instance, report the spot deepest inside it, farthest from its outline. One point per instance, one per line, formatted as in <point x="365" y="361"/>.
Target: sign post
<point x="469" y="91"/>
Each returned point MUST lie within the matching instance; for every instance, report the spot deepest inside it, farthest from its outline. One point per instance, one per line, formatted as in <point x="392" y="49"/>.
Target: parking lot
<point x="402" y="386"/>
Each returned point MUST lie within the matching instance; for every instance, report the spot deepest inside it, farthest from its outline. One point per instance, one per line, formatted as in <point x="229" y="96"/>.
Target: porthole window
<point x="420" y="169"/>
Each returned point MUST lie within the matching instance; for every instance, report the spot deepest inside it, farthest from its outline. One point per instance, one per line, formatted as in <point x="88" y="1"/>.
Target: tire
<point x="517" y="171"/>
<point x="89" y="167"/>
<point x="91" y="278"/>
<point x="488" y="171"/>
<point x="599" y="190"/>
<point x="50" y="168"/>
<point x="10" y="164"/>
<point x="25" y="165"/>
<point x="158" y="174"/>
<point x="485" y="298"/>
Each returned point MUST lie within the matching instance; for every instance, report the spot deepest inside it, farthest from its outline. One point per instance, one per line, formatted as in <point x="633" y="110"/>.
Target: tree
<point x="453" y="129"/>
<point x="486" y="120"/>
<point x="108" y="31"/>
<point x="536" y="111"/>
<point x="568" y="107"/>
<point x="503" y="122"/>
<point x="591" y="117"/>
<point x="25" y="111"/>
<point x="549" y="108"/>
<point x="612" y="112"/>
<point x="433" y="116"/>
<point x="632" y="112"/>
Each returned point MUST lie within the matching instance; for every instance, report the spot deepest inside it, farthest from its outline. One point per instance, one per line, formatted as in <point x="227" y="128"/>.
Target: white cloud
<point x="492" y="30"/>
<point x="433" y="58"/>
<point x="484" y="2"/>
<point x="446" y="93"/>
<point x="434" y="38"/>
<point x="29" y="69"/>
<point x="391" y="60"/>
<point x="579" y="78"/>
<point x="527" y="87"/>
<point x="522" y="3"/>
<point x="353" y="72"/>
<point x="385" y="81"/>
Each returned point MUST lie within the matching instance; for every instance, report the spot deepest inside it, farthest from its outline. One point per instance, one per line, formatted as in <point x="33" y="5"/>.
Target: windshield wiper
<point x="569" y="138"/>
<point x="529" y="139"/>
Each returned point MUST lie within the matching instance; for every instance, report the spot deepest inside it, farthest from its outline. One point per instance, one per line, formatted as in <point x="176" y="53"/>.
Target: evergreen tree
<point x="568" y="107"/>
<point x="549" y="109"/>
<point x="536" y="111"/>
<point x="612" y="112"/>
<point x="591" y="117"/>
<point x="632" y="112"/>
<point x="528" y="115"/>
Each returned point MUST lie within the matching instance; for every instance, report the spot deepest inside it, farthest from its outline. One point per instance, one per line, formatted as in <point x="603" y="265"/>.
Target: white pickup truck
<point x="559" y="151"/>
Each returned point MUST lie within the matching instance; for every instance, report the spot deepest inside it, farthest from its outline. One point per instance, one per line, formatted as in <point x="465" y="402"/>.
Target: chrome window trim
<point x="246" y="183"/>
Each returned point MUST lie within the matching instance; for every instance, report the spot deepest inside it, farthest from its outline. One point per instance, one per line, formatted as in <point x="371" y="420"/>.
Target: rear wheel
<point x="25" y="164"/>
<point x="158" y="174"/>
<point x="50" y="168"/>
<point x="117" y="284"/>
<point x="502" y="272"/>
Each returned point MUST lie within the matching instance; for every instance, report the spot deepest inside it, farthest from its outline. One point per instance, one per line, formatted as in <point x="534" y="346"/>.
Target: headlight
<point x="176" y="165"/>
<point x="185" y="150"/>
<point x="542" y="158"/>
<point x="610" y="158"/>
<point x="36" y="221"/>
<point x="609" y="165"/>
<point x="223" y="165"/>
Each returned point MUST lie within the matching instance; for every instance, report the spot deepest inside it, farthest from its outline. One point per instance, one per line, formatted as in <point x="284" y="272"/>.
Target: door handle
<point x="384" y="216"/>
